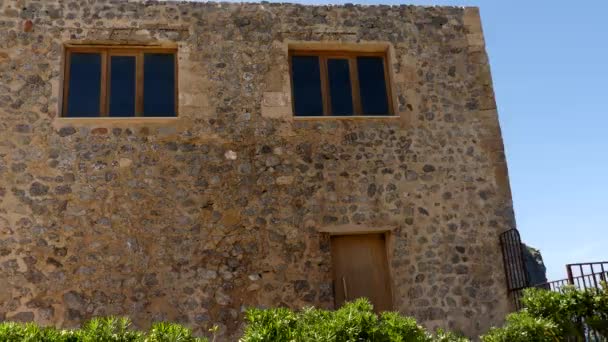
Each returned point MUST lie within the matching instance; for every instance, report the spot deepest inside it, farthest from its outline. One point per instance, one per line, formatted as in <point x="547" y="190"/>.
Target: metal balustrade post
<point x="569" y="272"/>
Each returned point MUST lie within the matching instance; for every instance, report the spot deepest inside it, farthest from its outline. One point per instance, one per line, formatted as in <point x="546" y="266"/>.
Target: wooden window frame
<point x="106" y="53"/>
<point x="351" y="57"/>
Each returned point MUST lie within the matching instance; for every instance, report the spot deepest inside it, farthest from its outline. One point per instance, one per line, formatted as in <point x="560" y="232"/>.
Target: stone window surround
<point x="279" y="104"/>
<point x="107" y="52"/>
<point x="355" y="91"/>
<point x="76" y="45"/>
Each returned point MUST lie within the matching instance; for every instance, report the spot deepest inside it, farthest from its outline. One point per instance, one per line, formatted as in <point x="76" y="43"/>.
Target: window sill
<point x="108" y="121"/>
<point x="354" y="117"/>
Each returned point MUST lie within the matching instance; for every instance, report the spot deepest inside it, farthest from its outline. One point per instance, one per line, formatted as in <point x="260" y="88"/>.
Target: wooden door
<point x="360" y="269"/>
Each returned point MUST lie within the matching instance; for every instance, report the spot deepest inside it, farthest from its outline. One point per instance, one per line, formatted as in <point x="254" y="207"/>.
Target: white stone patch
<point x="284" y="180"/>
<point x="124" y="162"/>
<point x="253" y="287"/>
<point x="274" y="99"/>
<point x="230" y="155"/>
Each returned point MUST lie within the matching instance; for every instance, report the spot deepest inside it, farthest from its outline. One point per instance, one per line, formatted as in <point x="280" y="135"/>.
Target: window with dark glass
<point x="122" y="86"/>
<point x="339" y="84"/>
<point x="159" y="80"/>
<point x="120" y="82"/>
<point x="307" y="85"/>
<point x="85" y="79"/>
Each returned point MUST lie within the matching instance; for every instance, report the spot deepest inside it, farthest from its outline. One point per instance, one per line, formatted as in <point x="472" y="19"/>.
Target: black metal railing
<point x="584" y="276"/>
<point x="555" y="285"/>
<point x="515" y="268"/>
<point x="587" y="275"/>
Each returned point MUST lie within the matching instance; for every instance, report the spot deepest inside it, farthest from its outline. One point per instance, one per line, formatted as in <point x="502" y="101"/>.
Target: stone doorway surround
<point x="355" y="229"/>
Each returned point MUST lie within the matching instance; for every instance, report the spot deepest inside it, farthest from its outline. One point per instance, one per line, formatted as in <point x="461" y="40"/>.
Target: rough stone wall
<point x="195" y="218"/>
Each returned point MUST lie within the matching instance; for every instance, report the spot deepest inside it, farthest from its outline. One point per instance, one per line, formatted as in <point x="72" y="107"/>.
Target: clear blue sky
<point x="550" y="68"/>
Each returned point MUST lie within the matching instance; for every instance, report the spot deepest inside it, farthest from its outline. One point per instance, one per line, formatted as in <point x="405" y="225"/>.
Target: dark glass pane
<point x="339" y="87"/>
<point x="85" y="85"/>
<point x="372" y="86"/>
<point x="122" y="86"/>
<point x="306" y="85"/>
<point x="159" y="84"/>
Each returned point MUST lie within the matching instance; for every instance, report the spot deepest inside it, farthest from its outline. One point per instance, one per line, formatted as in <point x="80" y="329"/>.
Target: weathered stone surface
<point x="537" y="272"/>
<point x="65" y="131"/>
<point x="194" y="218"/>
<point x="38" y="189"/>
<point x="26" y="316"/>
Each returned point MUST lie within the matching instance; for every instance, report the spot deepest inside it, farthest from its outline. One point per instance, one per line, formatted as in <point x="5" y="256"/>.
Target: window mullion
<point x="139" y="84"/>
<point x="103" y="96"/>
<point x="387" y="82"/>
<point x="325" y="86"/>
<point x="354" y="81"/>
<point x="66" y="82"/>
<point x="176" y="85"/>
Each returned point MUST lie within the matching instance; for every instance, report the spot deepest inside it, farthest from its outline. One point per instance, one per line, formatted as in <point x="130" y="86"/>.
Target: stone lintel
<point x="349" y="229"/>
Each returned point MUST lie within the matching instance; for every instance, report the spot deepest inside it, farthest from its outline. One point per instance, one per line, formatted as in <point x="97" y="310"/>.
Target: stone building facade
<point x="234" y="202"/>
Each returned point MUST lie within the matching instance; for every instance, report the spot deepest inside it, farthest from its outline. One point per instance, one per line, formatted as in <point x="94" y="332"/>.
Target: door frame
<point x="365" y="230"/>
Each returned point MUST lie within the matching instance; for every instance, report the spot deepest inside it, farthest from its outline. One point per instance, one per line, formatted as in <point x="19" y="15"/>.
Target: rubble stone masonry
<point x="231" y="204"/>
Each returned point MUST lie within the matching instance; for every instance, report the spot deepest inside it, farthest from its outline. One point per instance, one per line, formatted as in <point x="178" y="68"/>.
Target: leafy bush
<point x="355" y="321"/>
<point x="268" y="325"/>
<point x="171" y="332"/>
<point x="556" y="316"/>
<point x="547" y="316"/>
<point x="393" y="327"/>
<point x="570" y="307"/>
<point x="30" y="332"/>
<point x="111" y="329"/>
<point x="523" y="327"/>
<point x="446" y="336"/>
<point x="107" y="329"/>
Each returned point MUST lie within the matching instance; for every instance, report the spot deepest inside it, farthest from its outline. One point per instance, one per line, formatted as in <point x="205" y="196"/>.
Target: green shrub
<point x="569" y="307"/>
<point x="276" y="324"/>
<point x="555" y="316"/>
<point x="446" y="336"/>
<point x="171" y="332"/>
<point x="547" y="316"/>
<point x="30" y="332"/>
<point x="110" y="329"/>
<point x="352" y="322"/>
<point x="396" y="328"/>
<point x="523" y="327"/>
<point x="355" y="321"/>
